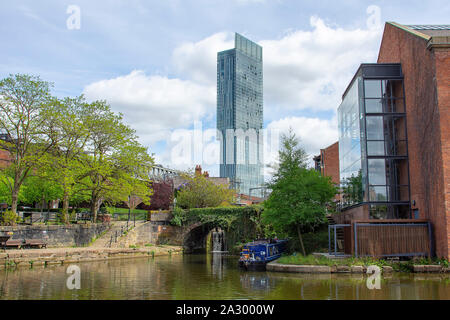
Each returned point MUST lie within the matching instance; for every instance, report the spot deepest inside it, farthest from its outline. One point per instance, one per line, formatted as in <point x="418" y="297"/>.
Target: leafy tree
<point x="162" y="197"/>
<point x="115" y="166"/>
<point x="290" y="156"/>
<point x="22" y="100"/>
<point x="6" y="183"/>
<point x="299" y="195"/>
<point x="60" y="164"/>
<point x="199" y="192"/>
<point x="36" y="189"/>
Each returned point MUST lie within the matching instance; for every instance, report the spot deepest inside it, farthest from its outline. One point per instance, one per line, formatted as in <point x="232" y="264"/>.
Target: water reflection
<point x="214" y="276"/>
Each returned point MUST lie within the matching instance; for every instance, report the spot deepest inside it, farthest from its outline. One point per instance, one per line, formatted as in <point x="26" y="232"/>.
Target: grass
<point x="299" y="259"/>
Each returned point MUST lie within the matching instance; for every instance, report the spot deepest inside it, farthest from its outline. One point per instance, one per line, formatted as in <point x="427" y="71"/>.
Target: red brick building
<point x="4" y="158"/>
<point x="394" y="140"/>
<point x="424" y="54"/>
<point x="328" y="162"/>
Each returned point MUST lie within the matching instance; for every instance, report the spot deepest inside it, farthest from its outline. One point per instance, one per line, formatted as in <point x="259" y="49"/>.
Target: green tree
<point x="6" y="184"/>
<point x="61" y="164"/>
<point x="22" y="100"/>
<point x="199" y="192"/>
<point x="36" y="189"/>
<point x="114" y="164"/>
<point x="299" y="195"/>
<point x="352" y="191"/>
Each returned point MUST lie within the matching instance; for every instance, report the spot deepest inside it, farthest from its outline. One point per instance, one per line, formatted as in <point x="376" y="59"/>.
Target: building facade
<point x="240" y="114"/>
<point x="394" y="134"/>
<point x="327" y="163"/>
<point x="373" y="152"/>
<point x="424" y="54"/>
<point x="5" y="156"/>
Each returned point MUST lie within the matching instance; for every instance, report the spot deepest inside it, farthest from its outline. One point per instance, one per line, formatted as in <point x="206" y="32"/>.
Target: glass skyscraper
<point x="240" y="115"/>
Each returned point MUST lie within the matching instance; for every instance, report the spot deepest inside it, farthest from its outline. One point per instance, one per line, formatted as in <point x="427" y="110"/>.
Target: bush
<point x="9" y="218"/>
<point x="179" y="217"/>
<point x="313" y="241"/>
<point x="222" y="211"/>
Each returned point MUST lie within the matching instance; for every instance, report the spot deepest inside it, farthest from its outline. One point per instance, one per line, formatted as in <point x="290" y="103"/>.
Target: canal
<point x="208" y="277"/>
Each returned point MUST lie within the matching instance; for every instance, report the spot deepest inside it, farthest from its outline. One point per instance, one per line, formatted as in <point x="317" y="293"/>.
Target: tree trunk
<point x="14" y="197"/>
<point x="65" y="210"/>
<point x="95" y="205"/>
<point x="94" y="209"/>
<point x="301" y="239"/>
<point x="42" y="203"/>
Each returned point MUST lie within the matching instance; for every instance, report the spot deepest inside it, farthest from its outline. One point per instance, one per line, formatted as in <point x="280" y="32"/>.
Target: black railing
<point x="117" y="234"/>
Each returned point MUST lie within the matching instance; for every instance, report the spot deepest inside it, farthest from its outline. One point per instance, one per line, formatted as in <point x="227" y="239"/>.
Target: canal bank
<point x="275" y="266"/>
<point x="55" y="256"/>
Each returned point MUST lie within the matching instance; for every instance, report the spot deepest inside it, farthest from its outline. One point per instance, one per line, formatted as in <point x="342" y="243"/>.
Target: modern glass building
<point x="373" y="148"/>
<point x="240" y="114"/>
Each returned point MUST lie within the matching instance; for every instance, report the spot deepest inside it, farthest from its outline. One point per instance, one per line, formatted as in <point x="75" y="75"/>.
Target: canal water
<point x="212" y="276"/>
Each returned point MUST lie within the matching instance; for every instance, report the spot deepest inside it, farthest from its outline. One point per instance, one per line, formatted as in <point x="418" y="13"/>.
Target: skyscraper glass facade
<point x="240" y="114"/>
<point x="373" y="153"/>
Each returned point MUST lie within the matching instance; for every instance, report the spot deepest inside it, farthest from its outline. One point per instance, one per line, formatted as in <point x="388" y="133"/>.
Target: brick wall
<point x="4" y="158"/>
<point x="330" y="159"/>
<point x="427" y="106"/>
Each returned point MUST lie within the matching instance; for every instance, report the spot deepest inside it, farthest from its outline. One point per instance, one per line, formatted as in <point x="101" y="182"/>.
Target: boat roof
<point x="263" y="241"/>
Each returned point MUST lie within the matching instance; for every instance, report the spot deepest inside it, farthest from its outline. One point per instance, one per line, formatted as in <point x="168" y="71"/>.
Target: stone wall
<point x="151" y="233"/>
<point x="58" y="235"/>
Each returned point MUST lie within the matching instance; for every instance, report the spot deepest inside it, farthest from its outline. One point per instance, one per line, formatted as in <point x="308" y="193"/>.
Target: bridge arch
<point x="195" y="237"/>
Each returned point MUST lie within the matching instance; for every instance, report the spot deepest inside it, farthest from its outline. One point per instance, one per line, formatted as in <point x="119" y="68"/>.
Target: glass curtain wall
<point x="240" y="109"/>
<point x="379" y="176"/>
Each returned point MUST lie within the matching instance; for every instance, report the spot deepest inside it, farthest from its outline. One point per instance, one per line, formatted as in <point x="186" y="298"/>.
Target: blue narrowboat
<point x="256" y="254"/>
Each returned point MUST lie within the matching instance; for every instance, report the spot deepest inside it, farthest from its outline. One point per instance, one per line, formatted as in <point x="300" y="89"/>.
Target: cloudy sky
<point x="155" y="61"/>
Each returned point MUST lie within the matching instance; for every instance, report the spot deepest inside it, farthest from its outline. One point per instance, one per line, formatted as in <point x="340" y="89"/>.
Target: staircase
<point x="339" y="235"/>
<point x="117" y="228"/>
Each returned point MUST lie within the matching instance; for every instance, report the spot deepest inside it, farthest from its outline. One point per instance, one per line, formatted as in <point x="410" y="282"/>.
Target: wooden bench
<point x="35" y="243"/>
<point x="14" y="244"/>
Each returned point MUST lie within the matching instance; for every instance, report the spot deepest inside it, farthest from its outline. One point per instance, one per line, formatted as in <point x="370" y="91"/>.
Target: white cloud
<point x="304" y="71"/>
<point x="153" y="105"/>
<point x="310" y="69"/>
<point x="314" y="133"/>
<point x="198" y="60"/>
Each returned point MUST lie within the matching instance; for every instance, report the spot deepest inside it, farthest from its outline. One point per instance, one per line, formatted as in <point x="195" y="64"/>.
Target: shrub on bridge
<point x="242" y="224"/>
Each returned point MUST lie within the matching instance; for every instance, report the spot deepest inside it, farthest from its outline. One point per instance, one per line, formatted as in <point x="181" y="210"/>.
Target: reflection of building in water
<point x="217" y="265"/>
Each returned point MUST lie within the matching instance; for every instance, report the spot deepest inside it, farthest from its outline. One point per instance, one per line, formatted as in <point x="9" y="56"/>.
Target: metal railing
<point x="119" y="233"/>
<point x="334" y="227"/>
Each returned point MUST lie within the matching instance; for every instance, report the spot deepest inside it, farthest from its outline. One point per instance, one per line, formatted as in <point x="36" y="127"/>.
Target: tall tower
<point x="240" y="114"/>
